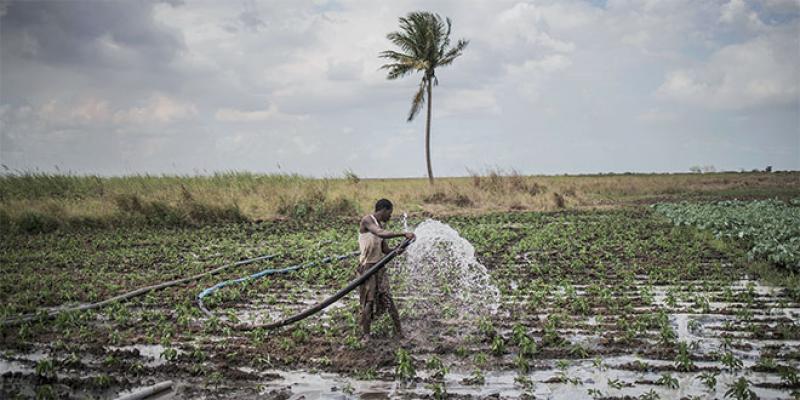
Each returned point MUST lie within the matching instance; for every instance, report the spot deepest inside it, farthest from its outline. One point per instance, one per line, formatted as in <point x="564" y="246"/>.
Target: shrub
<point x="558" y="200"/>
<point x="35" y="222"/>
<point x="315" y="203"/>
<point x="188" y="212"/>
<point x="441" y="197"/>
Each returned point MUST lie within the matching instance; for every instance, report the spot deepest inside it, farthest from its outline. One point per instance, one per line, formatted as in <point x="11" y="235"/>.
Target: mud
<point x="615" y="338"/>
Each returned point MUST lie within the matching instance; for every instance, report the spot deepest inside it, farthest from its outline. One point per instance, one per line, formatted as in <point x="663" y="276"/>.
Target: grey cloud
<point x="88" y="33"/>
<point x="126" y="87"/>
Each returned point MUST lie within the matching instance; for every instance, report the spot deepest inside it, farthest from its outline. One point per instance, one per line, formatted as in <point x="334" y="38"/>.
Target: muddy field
<point x="600" y="304"/>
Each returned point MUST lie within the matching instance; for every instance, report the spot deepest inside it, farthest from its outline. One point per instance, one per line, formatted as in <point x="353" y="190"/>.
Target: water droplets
<point x="441" y="273"/>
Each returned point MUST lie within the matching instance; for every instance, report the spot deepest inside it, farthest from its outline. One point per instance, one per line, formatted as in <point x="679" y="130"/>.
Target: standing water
<point x="440" y="273"/>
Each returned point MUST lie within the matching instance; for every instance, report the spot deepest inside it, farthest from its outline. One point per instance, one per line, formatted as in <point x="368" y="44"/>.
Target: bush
<point x="188" y="212"/>
<point x="441" y="197"/>
<point x="498" y="182"/>
<point x="558" y="200"/>
<point x="315" y="203"/>
<point x="35" y="222"/>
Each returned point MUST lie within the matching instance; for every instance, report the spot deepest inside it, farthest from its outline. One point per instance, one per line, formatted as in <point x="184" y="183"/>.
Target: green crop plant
<point x="522" y="364"/>
<point x="46" y="392"/>
<point x="649" y="395"/>
<point x="578" y="350"/>
<point x="437" y="366"/>
<point x="580" y="306"/>
<point x="480" y="359"/>
<point x="594" y="393"/>
<point x="614" y="383"/>
<point x="45" y="368"/>
<point x="740" y="390"/>
<point x="598" y="363"/>
<point x="550" y="335"/>
<point x="667" y="335"/>
<point x="523" y="381"/>
<point x="367" y="374"/>
<point x="352" y="342"/>
<point x="646" y="294"/>
<point x="348" y="389"/>
<point x="789" y="376"/>
<point x="518" y="332"/>
<point x="476" y="377"/>
<point x="727" y="342"/>
<point x="214" y="379"/>
<point x="766" y="363"/>
<point x="683" y="360"/>
<point x="766" y="226"/>
<point x="498" y="346"/>
<point x="670" y="299"/>
<point x="300" y="335"/>
<point x="527" y="347"/>
<point x="102" y="381"/>
<point x="730" y="361"/>
<point x="169" y="354"/>
<point x="486" y="327"/>
<point x="709" y="379"/>
<point x="404" y="368"/>
<point x="137" y="368"/>
<point x="668" y="380"/>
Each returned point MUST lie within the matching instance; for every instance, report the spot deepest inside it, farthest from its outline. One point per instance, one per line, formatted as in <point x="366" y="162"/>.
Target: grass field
<point x="602" y="296"/>
<point x="41" y="202"/>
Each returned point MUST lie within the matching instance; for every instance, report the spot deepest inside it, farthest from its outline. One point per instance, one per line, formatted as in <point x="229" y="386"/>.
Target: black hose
<point x="330" y="300"/>
<point x="53" y="312"/>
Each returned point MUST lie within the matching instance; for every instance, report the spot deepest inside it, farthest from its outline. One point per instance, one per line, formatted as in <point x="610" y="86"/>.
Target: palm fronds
<point x="424" y="44"/>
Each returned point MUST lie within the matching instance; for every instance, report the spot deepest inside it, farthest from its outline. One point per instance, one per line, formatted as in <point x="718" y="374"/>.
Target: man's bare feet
<point x="365" y="339"/>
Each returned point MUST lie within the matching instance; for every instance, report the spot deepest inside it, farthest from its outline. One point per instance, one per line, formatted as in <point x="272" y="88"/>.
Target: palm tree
<point x="424" y="42"/>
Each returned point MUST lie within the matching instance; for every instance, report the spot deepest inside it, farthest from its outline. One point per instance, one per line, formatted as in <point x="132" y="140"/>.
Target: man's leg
<point x="366" y="318"/>
<point x="366" y="297"/>
<point x="398" y="329"/>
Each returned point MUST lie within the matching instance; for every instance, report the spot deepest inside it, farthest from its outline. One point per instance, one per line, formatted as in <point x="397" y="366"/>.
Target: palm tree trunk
<point x="428" y="136"/>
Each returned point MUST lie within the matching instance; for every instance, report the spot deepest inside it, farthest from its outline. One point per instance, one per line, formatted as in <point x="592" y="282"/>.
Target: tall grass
<point x="41" y="202"/>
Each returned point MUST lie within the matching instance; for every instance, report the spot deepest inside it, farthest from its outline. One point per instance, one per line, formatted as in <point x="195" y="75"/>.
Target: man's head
<point x="383" y="210"/>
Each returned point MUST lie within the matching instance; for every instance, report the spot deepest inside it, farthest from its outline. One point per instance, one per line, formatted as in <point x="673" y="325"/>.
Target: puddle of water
<point x="503" y="383"/>
<point x="15" y="366"/>
<point x="151" y="352"/>
<point x="21" y="362"/>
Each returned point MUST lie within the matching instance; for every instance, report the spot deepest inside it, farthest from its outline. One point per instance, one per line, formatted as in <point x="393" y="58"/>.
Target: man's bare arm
<point x="380" y="232"/>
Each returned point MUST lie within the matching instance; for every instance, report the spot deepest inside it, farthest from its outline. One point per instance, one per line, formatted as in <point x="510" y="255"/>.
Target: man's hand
<point x="408" y="236"/>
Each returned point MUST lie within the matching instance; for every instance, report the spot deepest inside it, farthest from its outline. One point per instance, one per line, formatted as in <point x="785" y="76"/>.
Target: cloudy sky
<point x="544" y="87"/>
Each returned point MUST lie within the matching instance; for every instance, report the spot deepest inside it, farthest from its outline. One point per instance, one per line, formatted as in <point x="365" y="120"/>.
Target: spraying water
<point x="440" y="271"/>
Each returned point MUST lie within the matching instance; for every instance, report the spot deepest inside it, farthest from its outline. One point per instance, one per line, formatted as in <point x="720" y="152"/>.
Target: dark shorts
<point x="375" y="290"/>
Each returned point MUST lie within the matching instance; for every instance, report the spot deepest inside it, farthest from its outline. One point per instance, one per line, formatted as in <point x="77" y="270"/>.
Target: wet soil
<point x="607" y="321"/>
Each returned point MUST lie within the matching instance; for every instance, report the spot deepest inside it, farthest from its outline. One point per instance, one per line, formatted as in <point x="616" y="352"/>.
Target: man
<point x="374" y="294"/>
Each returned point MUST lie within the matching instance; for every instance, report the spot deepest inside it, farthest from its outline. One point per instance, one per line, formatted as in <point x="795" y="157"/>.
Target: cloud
<point x="91" y="111"/>
<point x="467" y="102"/>
<point x="271" y="113"/>
<point x="756" y="73"/>
<point x="657" y="116"/>
<point x="88" y="32"/>
<point x="254" y="84"/>
<point x="158" y="108"/>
